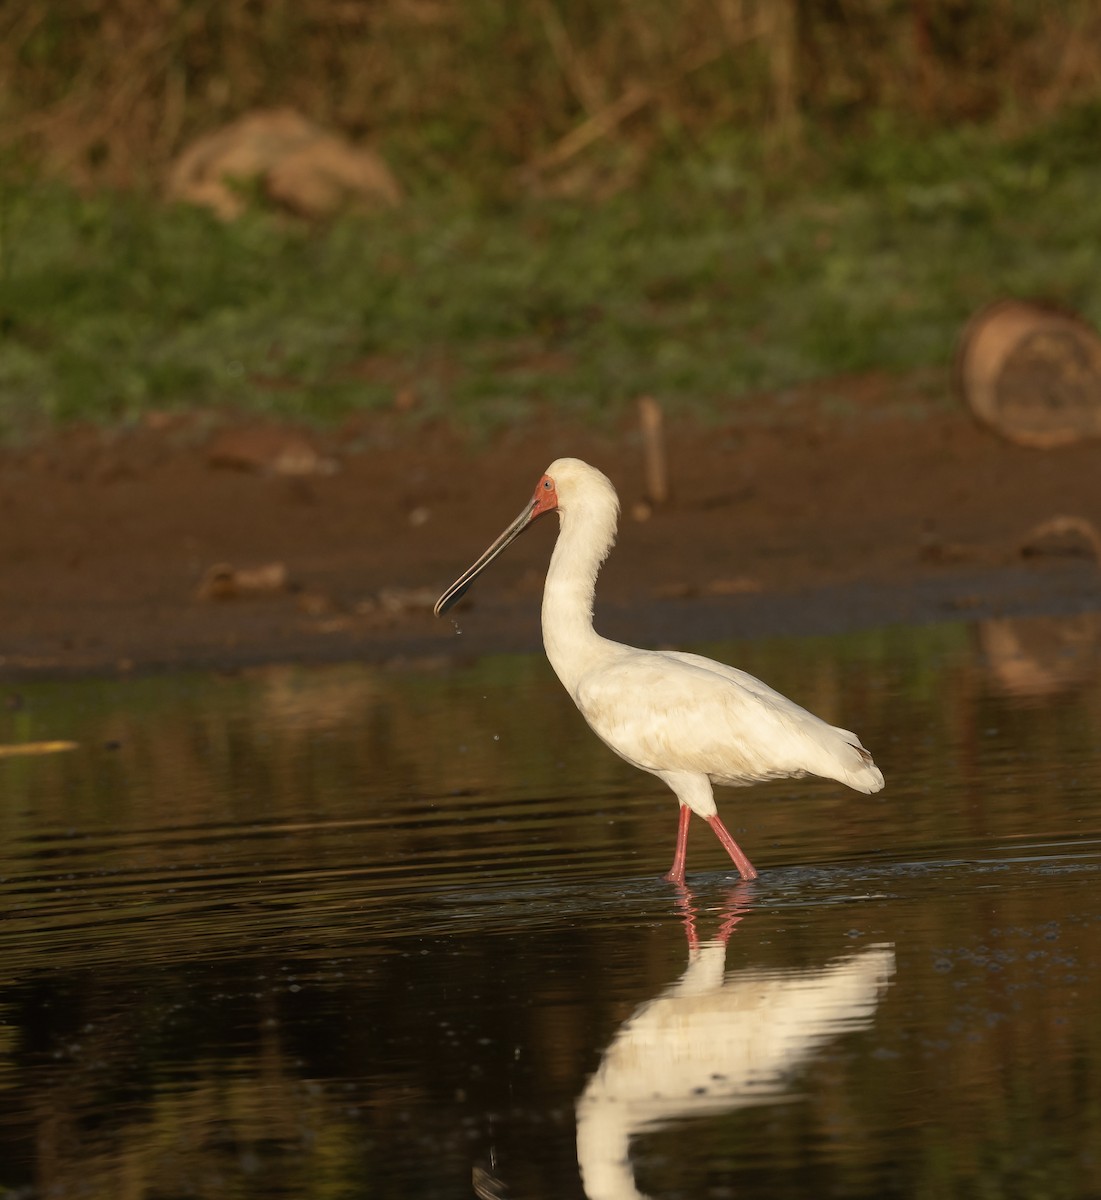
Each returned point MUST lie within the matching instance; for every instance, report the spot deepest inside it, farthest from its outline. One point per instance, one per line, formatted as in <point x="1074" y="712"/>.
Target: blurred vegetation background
<point x="701" y="199"/>
<point x="109" y="90"/>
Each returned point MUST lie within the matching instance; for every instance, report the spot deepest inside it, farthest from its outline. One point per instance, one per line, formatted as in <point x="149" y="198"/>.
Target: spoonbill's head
<point x="580" y="488"/>
<point x="568" y="485"/>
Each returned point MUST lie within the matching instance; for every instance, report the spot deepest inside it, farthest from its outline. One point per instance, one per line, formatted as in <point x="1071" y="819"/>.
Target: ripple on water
<point x="365" y="932"/>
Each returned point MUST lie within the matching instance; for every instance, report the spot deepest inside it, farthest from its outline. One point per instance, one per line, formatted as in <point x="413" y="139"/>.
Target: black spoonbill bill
<point x="688" y="720"/>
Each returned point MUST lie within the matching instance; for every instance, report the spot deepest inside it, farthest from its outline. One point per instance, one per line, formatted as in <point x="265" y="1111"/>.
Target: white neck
<point x="571" y="643"/>
<point x="603" y="1144"/>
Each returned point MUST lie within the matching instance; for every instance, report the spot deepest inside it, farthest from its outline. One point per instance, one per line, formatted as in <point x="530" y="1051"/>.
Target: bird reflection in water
<point x="713" y="1042"/>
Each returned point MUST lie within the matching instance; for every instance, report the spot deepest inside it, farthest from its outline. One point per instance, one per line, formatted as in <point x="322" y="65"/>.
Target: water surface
<point x="352" y="932"/>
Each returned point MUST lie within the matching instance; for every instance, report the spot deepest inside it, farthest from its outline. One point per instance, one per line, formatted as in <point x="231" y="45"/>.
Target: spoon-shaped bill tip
<point x="451" y="597"/>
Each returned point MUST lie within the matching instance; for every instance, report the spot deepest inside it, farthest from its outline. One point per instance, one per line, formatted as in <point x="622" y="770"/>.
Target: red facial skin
<point x="545" y="499"/>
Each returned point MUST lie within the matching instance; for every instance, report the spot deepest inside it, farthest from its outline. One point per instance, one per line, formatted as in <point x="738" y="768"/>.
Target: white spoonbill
<point x="688" y="720"/>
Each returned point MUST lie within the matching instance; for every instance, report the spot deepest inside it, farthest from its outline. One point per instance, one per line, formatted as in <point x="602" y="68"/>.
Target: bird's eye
<point x="547" y="485"/>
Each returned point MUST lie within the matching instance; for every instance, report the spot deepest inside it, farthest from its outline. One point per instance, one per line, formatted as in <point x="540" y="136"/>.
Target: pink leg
<point x="684" y="903"/>
<point x="675" y="873"/>
<point x="738" y="903"/>
<point x="745" y="867"/>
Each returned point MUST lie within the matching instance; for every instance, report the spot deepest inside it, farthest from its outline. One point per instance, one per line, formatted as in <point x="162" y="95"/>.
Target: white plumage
<point x="711" y="1043"/>
<point x="689" y="720"/>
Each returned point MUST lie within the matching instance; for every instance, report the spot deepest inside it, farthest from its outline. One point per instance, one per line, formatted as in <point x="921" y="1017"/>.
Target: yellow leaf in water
<point x="15" y="751"/>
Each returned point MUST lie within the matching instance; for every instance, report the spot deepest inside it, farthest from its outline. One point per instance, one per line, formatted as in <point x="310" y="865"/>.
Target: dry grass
<point x="107" y="91"/>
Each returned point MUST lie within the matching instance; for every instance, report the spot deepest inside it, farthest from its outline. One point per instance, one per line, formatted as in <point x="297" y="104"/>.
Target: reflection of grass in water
<point x="406" y="752"/>
<point x="703" y="285"/>
<point x="282" y="738"/>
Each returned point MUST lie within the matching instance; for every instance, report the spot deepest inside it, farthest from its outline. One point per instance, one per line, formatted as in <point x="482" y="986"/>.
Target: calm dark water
<point x="363" y="933"/>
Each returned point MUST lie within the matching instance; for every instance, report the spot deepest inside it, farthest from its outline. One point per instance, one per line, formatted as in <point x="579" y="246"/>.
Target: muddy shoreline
<point x="110" y="540"/>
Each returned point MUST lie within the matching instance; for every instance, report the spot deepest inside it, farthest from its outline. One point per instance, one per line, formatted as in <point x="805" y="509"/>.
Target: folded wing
<point x="669" y="711"/>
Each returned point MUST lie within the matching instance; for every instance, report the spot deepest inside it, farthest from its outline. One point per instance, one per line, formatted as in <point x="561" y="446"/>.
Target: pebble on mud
<point x="268" y="450"/>
<point x="225" y="582"/>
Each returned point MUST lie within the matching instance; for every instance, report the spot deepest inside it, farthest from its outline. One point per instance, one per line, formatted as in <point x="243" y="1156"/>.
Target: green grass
<point x="716" y="278"/>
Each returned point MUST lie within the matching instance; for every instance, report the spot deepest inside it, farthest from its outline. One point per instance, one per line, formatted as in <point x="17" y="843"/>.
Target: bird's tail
<point x="840" y="756"/>
<point x="867" y="777"/>
<point x="856" y="768"/>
